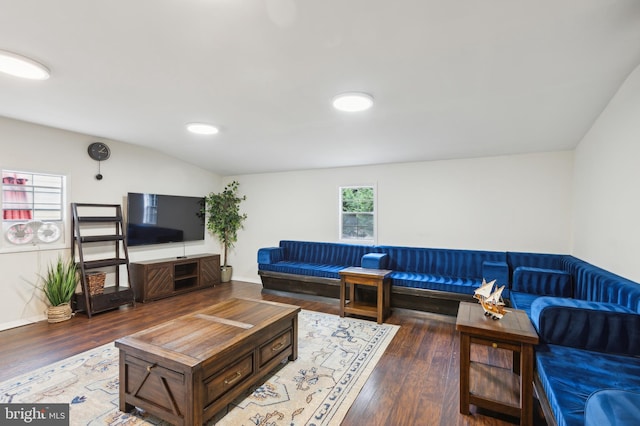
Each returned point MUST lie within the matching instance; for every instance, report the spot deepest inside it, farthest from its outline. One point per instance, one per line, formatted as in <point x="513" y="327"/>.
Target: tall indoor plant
<point x="58" y="285"/>
<point x="224" y="219"/>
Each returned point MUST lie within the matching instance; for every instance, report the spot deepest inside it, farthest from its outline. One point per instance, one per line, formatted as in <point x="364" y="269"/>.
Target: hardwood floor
<point x="414" y="383"/>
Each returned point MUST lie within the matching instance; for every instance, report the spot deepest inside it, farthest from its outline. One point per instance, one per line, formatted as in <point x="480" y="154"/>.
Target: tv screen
<point x="158" y="219"/>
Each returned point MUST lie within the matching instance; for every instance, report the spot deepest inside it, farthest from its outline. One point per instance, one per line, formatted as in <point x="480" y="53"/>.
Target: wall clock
<point x="99" y="151"/>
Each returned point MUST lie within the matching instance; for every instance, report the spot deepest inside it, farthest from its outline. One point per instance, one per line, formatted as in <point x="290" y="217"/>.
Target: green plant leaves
<point x="59" y="284"/>
<point x="223" y="215"/>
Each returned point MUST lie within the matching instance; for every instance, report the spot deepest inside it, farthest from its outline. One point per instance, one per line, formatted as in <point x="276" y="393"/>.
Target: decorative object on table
<point x="490" y="299"/>
<point x="59" y="284"/>
<point x="224" y="219"/>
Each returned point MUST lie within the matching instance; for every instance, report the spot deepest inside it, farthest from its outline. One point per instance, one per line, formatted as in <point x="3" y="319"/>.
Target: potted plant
<point x="224" y="220"/>
<point x="59" y="284"/>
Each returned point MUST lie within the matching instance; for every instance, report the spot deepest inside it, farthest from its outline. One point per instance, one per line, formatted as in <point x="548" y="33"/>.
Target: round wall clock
<point x="99" y="151"/>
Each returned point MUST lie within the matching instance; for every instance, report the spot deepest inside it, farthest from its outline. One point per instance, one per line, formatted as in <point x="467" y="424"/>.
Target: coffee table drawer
<point x="272" y="348"/>
<point x="228" y="378"/>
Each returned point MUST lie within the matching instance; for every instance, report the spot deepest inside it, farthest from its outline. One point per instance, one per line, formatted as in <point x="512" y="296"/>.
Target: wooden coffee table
<point x="188" y="369"/>
<point x="507" y="391"/>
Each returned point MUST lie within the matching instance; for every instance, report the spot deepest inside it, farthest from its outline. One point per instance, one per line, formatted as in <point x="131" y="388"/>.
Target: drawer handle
<point x="494" y="345"/>
<point x="233" y="378"/>
<point x="277" y="347"/>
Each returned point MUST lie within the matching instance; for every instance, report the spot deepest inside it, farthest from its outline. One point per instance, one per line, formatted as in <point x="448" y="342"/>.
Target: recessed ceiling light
<point x="19" y="66"/>
<point x="202" y="128"/>
<point x="353" y="101"/>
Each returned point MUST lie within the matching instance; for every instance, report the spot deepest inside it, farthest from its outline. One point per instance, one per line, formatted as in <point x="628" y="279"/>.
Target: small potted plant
<point x="224" y="220"/>
<point x="58" y="285"/>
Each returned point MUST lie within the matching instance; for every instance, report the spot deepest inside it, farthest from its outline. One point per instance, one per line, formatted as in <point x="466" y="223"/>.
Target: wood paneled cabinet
<point x="160" y="278"/>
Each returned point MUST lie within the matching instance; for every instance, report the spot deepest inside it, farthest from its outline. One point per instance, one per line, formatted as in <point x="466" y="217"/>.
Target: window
<point x="358" y="213"/>
<point x="32" y="209"/>
<point x="150" y="202"/>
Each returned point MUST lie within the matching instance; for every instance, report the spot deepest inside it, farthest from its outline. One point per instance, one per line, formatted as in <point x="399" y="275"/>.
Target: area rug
<point x="335" y="358"/>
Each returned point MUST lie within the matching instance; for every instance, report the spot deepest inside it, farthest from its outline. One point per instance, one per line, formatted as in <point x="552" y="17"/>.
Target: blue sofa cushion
<point x="612" y="407"/>
<point x="314" y="259"/>
<point x="375" y="261"/>
<point x="522" y="301"/>
<point x="301" y="268"/>
<point x="535" y="260"/>
<point x="270" y="255"/>
<point x="325" y="253"/>
<point x="570" y="375"/>
<point x="595" y="284"/>
<point x="541" y="281"/>
<point x="441" y="262"/>
<point x="434" y="282"/>
<point x="499" y="271"/>
<point x="602" y="327"/>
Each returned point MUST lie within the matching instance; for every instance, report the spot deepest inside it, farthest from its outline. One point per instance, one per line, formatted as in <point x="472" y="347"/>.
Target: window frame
<point x="37" y="197"/>
<point x="357" y="240"/>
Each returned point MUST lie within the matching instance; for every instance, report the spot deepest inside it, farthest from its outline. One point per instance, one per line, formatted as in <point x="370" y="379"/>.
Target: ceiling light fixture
<point x="202" y="129"/>
<point x="19" y="66"/>
<point x="353" y="101"/>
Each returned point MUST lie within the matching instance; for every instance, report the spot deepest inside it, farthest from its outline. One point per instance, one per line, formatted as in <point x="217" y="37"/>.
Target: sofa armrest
<point x="493" y="270"/>
<point x="270" y="255"/>
<point x="375" y="261"/>
<point x="594" y="326"/>
<point x="543" y="282"/>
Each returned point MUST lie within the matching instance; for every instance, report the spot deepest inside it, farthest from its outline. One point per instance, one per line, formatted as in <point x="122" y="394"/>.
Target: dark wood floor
<point x="414" y="383"/>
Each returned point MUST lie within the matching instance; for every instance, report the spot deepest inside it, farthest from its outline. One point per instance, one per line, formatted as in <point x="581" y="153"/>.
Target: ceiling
<point x="450" y="78"/>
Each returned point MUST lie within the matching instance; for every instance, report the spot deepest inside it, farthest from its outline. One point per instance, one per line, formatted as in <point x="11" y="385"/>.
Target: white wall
<point x="29" y="147"/>
<point x="606" y="209"/>
<point x="517" y="203"/>
<point x="520" y="202"/>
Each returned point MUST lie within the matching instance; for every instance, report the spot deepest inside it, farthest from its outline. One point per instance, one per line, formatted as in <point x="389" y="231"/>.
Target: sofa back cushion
<point x="543" y="282"/>
<point x="597" y="285"/>
<point x="443" y="262"/>
<point x="535" y="260"/>
<point x="594" y="326"/>
<point x="325" y="253"/>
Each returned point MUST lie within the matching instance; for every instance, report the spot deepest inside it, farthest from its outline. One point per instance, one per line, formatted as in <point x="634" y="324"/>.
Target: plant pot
<point x="225" y="273"/>
<point x="59" y="313"/>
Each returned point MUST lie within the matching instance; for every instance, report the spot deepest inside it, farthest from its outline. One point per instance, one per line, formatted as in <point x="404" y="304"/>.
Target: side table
<point x="376" y="278"/>
<point x="507" y="391"/>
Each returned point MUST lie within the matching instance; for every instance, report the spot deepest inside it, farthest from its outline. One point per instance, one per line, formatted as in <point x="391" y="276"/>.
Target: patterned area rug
<point x="335" y="358"/>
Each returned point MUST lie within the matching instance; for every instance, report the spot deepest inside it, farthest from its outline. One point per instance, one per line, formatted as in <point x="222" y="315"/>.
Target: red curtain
<point x="15" y="198"/>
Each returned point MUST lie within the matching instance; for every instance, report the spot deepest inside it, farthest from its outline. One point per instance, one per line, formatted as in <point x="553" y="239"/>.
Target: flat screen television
<point x="159" y="219"/>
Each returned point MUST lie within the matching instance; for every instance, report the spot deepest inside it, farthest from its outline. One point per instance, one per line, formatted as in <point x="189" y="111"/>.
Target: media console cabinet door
<point x="210" y="270"/>
<point x="158" y="281"/>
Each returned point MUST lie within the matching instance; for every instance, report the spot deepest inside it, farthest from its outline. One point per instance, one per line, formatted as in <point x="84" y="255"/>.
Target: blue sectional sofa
<point x="588" y="320"/>
<point x="429" y="279"/>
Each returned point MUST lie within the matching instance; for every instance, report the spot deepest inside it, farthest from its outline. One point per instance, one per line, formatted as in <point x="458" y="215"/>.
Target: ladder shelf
<point x="89" y="231"/>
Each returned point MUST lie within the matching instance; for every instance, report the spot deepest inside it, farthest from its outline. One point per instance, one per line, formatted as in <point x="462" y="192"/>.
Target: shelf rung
<point x="93" y="264"/>
<point x="95" y="219"/>
<point x="101" y="238"/>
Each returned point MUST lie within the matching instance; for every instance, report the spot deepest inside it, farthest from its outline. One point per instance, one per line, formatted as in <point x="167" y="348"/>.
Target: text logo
<point x="34" y="414"/>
